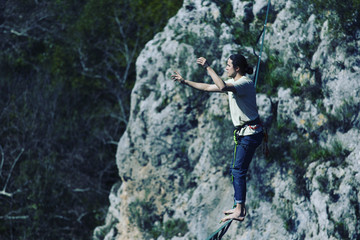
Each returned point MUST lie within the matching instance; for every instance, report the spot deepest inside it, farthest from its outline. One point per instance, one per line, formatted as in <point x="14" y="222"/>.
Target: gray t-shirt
<point x="243" y="106"/>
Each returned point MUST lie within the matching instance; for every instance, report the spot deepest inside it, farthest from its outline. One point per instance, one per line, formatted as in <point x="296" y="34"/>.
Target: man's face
<point x="230" y="69"/>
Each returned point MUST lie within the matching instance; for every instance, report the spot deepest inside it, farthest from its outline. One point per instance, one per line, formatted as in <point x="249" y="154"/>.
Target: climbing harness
<point x="218" y="234"/>
<point x="262" y="44"/>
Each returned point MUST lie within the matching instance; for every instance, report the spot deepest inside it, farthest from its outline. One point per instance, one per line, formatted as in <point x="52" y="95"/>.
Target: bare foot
<point x="229" y="211"/>
<point x="234" y="214"/>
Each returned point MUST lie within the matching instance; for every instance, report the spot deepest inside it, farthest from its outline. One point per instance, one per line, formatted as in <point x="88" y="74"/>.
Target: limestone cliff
<point x="174" y="157"/>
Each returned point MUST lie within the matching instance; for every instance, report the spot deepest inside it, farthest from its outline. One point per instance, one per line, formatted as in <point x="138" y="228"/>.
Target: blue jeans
<point x="243" y="153"/>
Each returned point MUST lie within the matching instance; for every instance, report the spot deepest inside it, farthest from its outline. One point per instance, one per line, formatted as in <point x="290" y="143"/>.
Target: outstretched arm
<point x="197" y="85"/>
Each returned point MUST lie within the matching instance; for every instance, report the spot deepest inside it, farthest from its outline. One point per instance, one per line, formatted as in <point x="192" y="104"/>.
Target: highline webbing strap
<point x="262" y="44"/>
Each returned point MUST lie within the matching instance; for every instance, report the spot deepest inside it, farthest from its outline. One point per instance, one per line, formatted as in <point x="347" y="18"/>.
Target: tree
<point x="67" y="68"/>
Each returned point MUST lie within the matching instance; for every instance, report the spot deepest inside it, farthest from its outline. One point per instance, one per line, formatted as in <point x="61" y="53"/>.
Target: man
<point x="248" y="132"/>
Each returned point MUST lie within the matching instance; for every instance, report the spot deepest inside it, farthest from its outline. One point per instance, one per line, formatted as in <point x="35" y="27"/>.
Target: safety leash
<point x="262" y="44"/>
<point x="265" y="149"/>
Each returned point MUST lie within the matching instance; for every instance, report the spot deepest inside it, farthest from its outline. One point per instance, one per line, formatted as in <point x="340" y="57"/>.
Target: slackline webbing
<point x="218" y="234"/>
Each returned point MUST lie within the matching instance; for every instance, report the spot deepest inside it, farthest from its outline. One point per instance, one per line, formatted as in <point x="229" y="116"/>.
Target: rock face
<point x="174" y="157"/>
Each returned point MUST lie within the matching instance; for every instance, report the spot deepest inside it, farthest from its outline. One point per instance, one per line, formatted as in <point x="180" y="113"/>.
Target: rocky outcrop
<point x="174" y="157"/>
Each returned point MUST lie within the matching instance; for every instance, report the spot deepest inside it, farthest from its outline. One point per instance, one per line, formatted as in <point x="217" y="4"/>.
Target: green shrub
<point x="296" y="155"/>
<point x="65" y="96"/>
<point x="174" y="227"/>
<point x="344" y="117"/>
<point x="342" y="230"/>
<point x="343" y="16"/>
<point x="323" y="182"/>
<point x="226" y="10"/>
<point x="274" y="74"/>
<point x="144" y="214"/>
<point x="242" y="35"/>
<point x="286" y="212"/>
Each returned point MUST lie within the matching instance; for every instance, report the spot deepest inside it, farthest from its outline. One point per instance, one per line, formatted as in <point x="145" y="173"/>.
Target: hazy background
<point x="66" y="73"/>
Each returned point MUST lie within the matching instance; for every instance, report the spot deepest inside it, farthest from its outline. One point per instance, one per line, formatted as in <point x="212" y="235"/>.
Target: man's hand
<point x="202" y="61"/>
<point x="177" y="77"/>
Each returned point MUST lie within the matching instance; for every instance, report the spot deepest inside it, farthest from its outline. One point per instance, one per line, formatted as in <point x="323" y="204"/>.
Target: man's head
<point x="237" y="64"/>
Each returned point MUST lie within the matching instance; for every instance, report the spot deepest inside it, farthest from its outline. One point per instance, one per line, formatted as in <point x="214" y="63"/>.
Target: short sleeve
<point x="242" y="87"/>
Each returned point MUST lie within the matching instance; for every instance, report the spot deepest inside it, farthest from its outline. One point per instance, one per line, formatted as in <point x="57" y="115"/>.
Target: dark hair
<point x="239" y="60"/>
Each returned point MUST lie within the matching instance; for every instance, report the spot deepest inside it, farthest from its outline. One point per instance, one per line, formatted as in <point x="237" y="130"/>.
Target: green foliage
<point x="286" y="212"/>
<point x="174" y="227"/>
<point x="335" y="154"/>
<point x="64" y="93"/>
<point x="297" y="154"/>
<point x="226" y="10"/>
<point x="323" y="182"/>
<point x="144" y="214"/>
<point x="313" y="92"/>
<point x="275" y="73"/>
<point x="119" y="22"/>
<point x="343" y="16"/>
<point x="294" y="157"/>
<point x="202" y="45"/>
<point x="242" y="35"/>
<point x="344" y="116"/>
<point x="342" y="230"/>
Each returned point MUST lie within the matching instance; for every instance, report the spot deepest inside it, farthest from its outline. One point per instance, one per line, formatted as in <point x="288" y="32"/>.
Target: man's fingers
<point x="176" y="76"/>
<point x="201" y="60"/>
